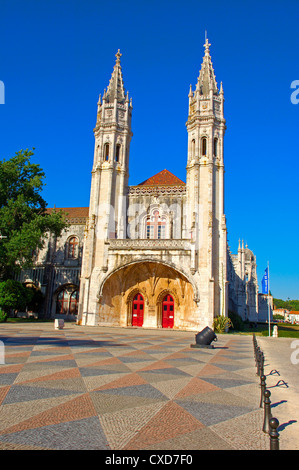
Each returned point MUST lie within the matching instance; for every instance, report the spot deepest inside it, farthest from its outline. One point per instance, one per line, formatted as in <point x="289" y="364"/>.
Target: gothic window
<point x="156" y="226"/>
<point x="117" y="153"/>
<point x="67" y="302"/>
<point x="72" y="248"/>
<point x="149" y="230"/>
<point x="193" y="148"/>
<point x="74" y="300"/>
<point x="204" y="146"/>
<point x="216" y="147"/>
<point x="106" y="152"/>
<point x="62" y="302"/>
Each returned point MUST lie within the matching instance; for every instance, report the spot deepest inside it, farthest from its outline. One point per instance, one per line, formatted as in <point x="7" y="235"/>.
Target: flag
<point x="265" y="282"/>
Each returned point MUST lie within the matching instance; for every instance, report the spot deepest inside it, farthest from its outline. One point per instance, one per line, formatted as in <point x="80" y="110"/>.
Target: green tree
<point x="24" y="220"/>
<point x="287" y="304"/>
<point x="14" y="295"/>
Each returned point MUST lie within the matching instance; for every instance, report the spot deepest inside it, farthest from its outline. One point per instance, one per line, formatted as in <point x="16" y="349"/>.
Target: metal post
<point x="262" y="360"/>
<point x="274" y="435"/>
<point x="258" y="361"/>
<point x="263" y="388"/>
<point x="267" y="411"/>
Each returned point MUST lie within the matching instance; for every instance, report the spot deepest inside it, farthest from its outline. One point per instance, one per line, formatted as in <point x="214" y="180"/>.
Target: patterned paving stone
<point x="170" y="388"/>
<point x="122" y="426"/>
<point x="77" y="408"/>
<point x="8" y="379"/>
<point x="34" y="373"/>
<point x="85" y="434"/>
<point x="93" y="383"/>
<point x="12" y="414"/>
<point x="88" y="371"/>
<point x="212" y="413"/>
<point x="129" y="380"/>
<point x="226" y="381"/>
<point x="171" y="421"/>
<point x="144" y="390"/>
<point x="173" y="371"/>
<point x="60" y="375"/>
<point x="194" y="387"/>
<point x="201" y="439"/>
<point x="109" y="403"/>
<point x="210" y="369"/>
<point x="217" y="396"/>
<point x="21" y="393"/>
<point x="243" y="432"/>
<point x="3" y="392"/>
<point x="125" y="389"/>
<point x="155" y="365"/>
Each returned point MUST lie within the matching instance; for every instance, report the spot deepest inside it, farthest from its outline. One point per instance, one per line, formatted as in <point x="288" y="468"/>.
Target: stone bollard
<point x="58" y="324"/>
<point x="267" y="411"/>
<point x="263" y="388"/>
<point x="275" y="331"/>
<point x="274" y="435"/>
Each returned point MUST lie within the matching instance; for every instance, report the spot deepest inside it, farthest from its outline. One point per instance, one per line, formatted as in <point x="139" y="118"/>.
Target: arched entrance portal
<point x="149" y="295"/>
<point x="137" y="310"/>
<point x="168" y="312"/>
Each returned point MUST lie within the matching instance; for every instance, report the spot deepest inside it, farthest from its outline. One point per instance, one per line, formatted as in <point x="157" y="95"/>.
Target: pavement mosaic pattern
<point x="117" y="389"/>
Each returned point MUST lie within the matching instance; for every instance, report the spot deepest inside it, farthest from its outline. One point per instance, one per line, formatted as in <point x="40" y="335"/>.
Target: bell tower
<point x="111" y="156"/>
<point x="206" y="223"/>
<point x="109" y="186"/>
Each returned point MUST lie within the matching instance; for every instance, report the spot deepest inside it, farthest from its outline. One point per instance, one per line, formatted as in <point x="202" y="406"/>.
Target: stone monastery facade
<point x="153" y="255"/>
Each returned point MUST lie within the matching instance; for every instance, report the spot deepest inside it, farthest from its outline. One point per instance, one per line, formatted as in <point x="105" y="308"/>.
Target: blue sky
<point x="57" y="56"/>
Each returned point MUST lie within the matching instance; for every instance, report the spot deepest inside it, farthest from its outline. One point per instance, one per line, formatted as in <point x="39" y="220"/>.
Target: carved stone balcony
<point x="149" y="244"/>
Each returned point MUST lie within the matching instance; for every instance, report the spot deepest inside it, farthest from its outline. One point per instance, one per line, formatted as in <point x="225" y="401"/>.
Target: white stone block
<point x="58" y="324"/>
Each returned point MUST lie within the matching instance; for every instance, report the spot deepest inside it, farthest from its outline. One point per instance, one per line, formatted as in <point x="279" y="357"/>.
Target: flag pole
<point x="269" y="300"/>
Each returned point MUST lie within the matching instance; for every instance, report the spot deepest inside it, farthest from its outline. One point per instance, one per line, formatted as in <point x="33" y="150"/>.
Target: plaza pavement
<point x="94" y="388"/>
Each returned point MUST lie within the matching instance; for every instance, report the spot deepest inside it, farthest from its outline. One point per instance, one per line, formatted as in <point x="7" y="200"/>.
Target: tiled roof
<point x="164" y="177"/>
<point x="72" y="212"/>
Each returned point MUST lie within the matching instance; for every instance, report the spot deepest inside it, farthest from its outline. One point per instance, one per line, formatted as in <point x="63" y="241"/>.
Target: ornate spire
<point x="207" y="79"/>
<point x="207" y="47"/>
<point x="116" y="86"/>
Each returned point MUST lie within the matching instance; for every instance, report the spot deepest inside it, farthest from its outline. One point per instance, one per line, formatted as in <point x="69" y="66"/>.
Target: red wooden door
<point x="138" y="308"/>
<point x="167" y="312"/>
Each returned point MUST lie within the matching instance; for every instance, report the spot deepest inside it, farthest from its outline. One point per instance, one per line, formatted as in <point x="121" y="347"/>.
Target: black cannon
<point x="204" y="338"/>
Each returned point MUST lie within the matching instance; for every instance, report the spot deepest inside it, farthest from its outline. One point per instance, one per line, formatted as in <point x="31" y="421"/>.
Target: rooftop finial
<point x="118" y="56"/>
<point x="207" y="46"/>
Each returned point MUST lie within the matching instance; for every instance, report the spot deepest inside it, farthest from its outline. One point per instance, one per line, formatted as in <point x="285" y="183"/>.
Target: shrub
<point x="3" y="316"/>
<point x="221" y="324"/>
<point x="36" y="299"/>
<point x="238" y="324"/>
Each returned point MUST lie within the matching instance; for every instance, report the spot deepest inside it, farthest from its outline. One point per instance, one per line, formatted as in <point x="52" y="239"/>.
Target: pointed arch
<point x="159" y="302"/>
<point x="106" y="152"/>
<point x="117" y="153"/>
<point x="146" y="260"/>
<point x="215" y="147"/>
<point x="204" y="145"/>
<point x="129" y="302"/>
